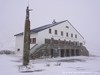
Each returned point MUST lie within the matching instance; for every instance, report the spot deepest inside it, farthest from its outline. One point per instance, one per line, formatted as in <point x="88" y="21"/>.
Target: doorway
<point x="52" y="53"/>
<point x="67" y="53"/>
<point x="62" y="53"/>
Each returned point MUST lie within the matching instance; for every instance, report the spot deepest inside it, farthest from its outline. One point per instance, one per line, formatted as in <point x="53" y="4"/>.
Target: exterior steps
<point x="38" y="52"/>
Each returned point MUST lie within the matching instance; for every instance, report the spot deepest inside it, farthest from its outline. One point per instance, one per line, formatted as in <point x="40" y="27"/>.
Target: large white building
<point x="55" y="39"/>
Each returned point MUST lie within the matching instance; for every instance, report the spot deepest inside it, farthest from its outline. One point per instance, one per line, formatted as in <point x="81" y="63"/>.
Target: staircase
<point x="33" y="48"/>
<point x="84" y="51"/>
<point x="36" y="51"/>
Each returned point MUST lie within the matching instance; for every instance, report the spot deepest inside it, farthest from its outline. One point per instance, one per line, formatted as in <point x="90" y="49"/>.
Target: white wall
<point x="20" y="40"/>
<point x="19" y="44"/>
<point x="40" y="36"/>
<point x="61" y="27"/>
<point x="35" y="35"/>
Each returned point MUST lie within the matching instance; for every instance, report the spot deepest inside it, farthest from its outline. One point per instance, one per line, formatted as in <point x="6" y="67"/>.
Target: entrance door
<point x="62" y="53"/>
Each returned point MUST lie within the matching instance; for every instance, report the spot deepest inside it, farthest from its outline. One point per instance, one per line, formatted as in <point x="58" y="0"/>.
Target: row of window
<point x="56" y="33"/>
<point x="75" y="43"/>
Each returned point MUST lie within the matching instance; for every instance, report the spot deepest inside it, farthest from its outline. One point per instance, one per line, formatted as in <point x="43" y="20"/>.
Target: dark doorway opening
<point x="62" y="53"/>
<point x="77" y="52"/>
<point x="52" y="53"/>
<point x="72" y="52"/>
<point x="67" y="52"/>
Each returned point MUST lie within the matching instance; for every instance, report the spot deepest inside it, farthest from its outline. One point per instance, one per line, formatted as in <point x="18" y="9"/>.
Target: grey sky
<point x="84" y="15"/>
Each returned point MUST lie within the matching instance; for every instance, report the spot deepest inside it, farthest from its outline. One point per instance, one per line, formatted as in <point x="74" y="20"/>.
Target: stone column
<point x="26" y="47"/>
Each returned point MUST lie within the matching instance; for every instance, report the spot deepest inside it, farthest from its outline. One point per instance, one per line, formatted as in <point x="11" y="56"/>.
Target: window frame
<point x="33" y="41"/>
<point x="72" y="35"/>
<point x="67" y="34"/>
<point x="56" y="33"/>
<point x="50" y="31"/>
<point x="62" y="33"/>
<point x="75" y="35"/>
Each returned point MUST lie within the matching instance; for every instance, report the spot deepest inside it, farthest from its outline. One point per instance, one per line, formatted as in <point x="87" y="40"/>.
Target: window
<point x="75" y="36"/>
<point x="67" y="27"/>
<point x="47" y="41"/>
<point x="67" y="34"/>
<point x="33" y="40"/>
<point x="71" y="35"/>
<point x="61" y="33"/>
<point x="55" y="41"/>
<point x="18" y="49"/>
<point x="55" y="32"/>
<point x="81" y="44"/>
<point x="50" y="31"/>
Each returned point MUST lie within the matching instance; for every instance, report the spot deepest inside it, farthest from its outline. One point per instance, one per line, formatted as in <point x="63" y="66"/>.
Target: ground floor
<point x="60" y="51"/>
<point x="65" y="52"/>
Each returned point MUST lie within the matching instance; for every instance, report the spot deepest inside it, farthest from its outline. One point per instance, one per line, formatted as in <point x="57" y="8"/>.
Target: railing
<point x="34" y="46"/>
<point x="38" y="49"/>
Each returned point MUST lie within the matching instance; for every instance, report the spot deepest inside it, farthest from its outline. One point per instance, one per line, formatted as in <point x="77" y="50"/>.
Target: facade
<point x="53" y="40"/>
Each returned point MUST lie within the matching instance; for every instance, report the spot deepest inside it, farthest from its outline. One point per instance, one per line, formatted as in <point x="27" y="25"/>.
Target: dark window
<point x="56" y="32"/>
<point x="61" y="33"/>
<point x="33" y="40"/>
<point x="55" y="41"/>
<point x="75" y="36"/>
<point x="71" y="35"/>
<point x="50" y="31"/>
<point x="47" y="41"/>
<point x="18" y="49"/>
<point x="67" y="34"/>
<point x="81" y="44"/>
<point x="67" y="27"/>
<point x="62" y="42"/>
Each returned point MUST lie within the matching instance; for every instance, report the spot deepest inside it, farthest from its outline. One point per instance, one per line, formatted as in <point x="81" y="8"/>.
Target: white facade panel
<point x="61" y="27"/>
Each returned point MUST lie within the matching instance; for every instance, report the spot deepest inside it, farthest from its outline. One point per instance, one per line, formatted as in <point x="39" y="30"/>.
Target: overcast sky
<point x="84" y="15"/>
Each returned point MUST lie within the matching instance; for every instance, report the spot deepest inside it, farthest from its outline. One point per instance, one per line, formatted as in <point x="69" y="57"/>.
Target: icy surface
<point x="68" y="66"/>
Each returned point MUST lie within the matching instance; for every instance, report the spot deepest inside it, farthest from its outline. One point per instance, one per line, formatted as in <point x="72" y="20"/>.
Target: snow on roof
<point x="42" y="28"/>
<point x="54" y="23"/>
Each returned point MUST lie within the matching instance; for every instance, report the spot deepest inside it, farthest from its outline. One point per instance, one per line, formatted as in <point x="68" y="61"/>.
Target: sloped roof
<point x="42" y="27"/>
<point x="36" y="30"/>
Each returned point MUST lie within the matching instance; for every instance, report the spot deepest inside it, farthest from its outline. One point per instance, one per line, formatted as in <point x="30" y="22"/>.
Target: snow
<point x="80" y="65"/>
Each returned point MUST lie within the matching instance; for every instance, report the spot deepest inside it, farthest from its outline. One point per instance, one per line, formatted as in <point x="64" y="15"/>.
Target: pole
<point x="26" y="48"/>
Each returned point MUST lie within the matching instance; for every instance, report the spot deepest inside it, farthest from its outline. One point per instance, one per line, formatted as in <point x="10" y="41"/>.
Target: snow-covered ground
<point x="69" y="66"/>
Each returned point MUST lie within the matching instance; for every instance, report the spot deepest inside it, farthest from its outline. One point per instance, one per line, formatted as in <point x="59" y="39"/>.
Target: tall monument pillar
<point x="26" y="47"/>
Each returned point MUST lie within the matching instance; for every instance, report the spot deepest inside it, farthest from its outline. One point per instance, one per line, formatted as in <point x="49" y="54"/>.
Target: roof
<point x="54" y="23"/>
<point x="36" y="30"/>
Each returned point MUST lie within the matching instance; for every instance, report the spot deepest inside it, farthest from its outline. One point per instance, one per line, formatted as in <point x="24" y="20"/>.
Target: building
<point x="54" y="40"/>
